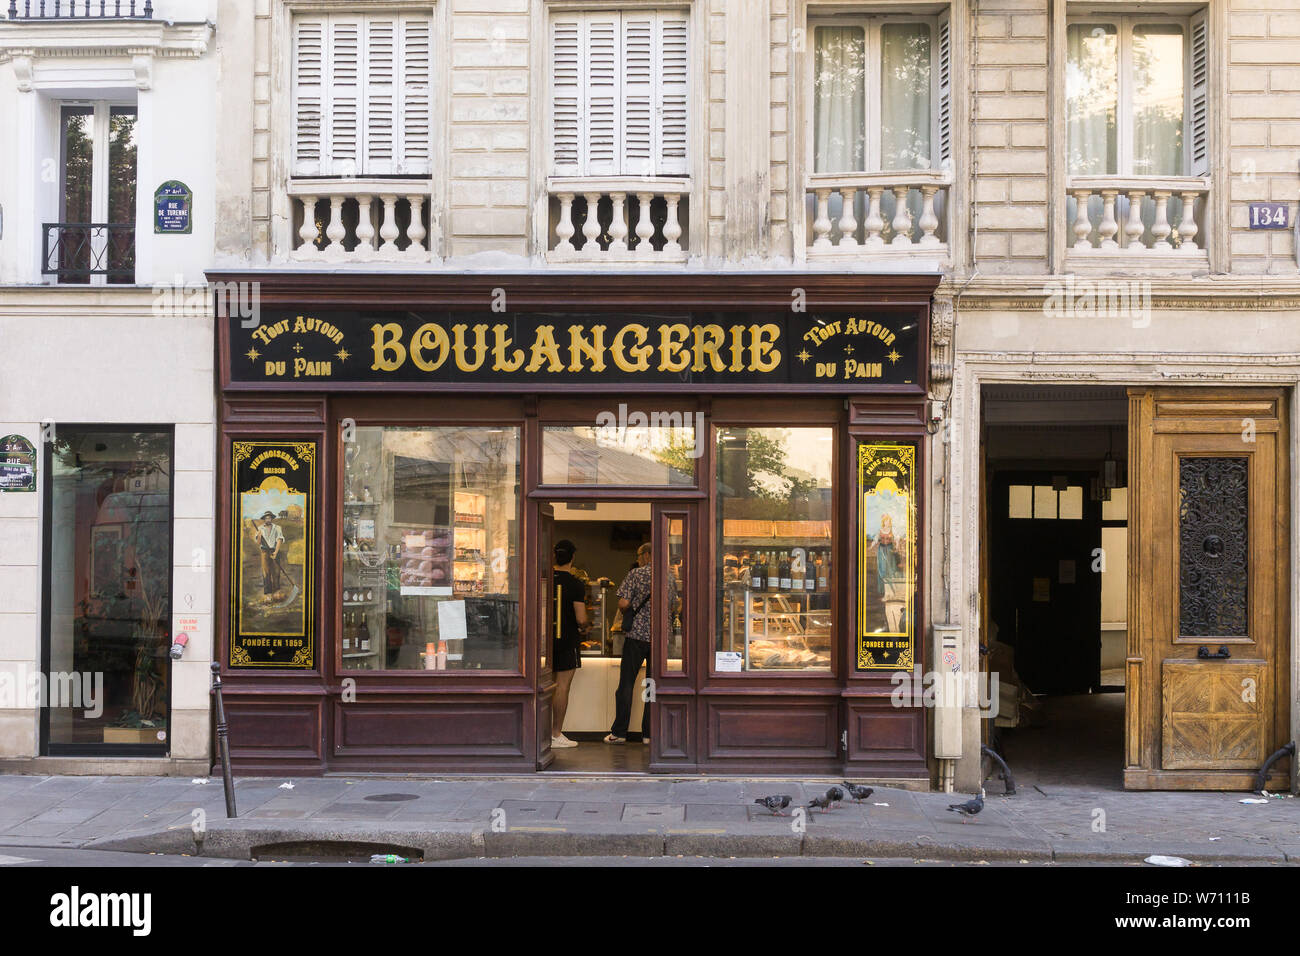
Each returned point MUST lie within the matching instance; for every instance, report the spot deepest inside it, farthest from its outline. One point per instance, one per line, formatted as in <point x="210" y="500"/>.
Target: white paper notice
<point x="728" y="661"/>
<point x="451" y="621"/>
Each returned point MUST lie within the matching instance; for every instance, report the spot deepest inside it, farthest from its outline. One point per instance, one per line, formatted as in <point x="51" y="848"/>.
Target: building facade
<point x="1027" y="267"/>
<point x="108" y="205"/>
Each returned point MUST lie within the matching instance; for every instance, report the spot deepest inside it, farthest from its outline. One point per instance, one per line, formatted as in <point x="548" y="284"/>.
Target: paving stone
<point x="654" y="813"/>
<point x="590" y="812"/>
<point x="519" y="811"/>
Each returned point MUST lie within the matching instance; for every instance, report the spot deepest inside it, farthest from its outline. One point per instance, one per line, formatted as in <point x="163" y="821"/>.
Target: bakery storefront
<point x="399" y="454"/>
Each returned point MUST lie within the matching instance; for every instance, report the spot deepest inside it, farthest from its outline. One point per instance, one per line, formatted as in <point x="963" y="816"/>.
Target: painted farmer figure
<point x="269" y="539"/>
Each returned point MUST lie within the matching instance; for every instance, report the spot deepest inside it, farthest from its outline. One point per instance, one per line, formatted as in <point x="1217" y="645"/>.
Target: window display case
<point x="600" y="600"/>
<point x="776" y="622"/>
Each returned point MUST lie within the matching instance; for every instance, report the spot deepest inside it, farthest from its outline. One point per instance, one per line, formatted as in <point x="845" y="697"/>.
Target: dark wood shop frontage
<point x="399" y="453"/>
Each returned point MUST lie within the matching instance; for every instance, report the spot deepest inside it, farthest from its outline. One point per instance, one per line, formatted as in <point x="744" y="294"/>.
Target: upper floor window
<point x="94" y="239"/>
<point x="881" y="94"/>
<point x="1136" y="96"/>
<point x="619" y="93"/>
<point x="362" y="95"/>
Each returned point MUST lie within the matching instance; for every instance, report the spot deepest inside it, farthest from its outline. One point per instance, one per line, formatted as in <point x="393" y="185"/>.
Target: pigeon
<point x="821" y="803"/>
<point x="835" y="795"/>
<point x="969" y="808"/>
<point x="858" y="793"/>
<point x="776" y="804"/>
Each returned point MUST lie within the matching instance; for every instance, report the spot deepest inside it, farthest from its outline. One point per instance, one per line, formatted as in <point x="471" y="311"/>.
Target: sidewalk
<point x="549" y="815"/>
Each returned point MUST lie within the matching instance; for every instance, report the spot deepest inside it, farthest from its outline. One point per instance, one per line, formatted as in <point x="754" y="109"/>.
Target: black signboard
<point x="273" y="518"/>
<point x="848" y="350"/>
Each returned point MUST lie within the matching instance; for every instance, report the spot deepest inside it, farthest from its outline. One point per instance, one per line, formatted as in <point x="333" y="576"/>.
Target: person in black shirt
<point x="570" y="626"/>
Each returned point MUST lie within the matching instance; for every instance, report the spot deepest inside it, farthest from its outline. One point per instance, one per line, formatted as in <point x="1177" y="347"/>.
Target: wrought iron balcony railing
<point x="75" y="251"/>
<point x="81" y="10"/>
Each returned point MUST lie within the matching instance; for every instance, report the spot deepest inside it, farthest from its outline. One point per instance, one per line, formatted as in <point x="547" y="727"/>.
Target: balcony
<point x="339" y="220"/>
<point x="623" y="219"/>
<point x="81" y="9"/>
<point x="869" y="215"/>
<point x="1152" y="220"/>
<point x="82" y="251"/>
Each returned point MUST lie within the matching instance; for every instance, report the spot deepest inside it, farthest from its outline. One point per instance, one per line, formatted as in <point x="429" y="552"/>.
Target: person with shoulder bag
<point x="634" y="603"/>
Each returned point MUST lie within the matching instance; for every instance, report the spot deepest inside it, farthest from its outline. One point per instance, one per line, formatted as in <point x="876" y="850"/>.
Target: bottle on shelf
<point x="785" y="570"/>
<point x="823" y="571"/>
<point x="810" y="573"/>
<point x="773" y="572"/>
<point x="796" y="571"/>
<point x="363" y="638"/>
<point x="347" y="632"/>
<point x="757" y="569"/>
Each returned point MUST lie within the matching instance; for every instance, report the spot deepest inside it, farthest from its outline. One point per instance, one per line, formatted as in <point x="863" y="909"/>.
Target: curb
<point x="473" y="841"/>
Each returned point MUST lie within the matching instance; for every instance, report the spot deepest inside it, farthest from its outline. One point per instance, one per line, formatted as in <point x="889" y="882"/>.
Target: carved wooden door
<point x="1207" y="672"/>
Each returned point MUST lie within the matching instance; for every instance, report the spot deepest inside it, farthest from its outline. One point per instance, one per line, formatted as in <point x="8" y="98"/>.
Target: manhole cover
<point x="391" y="797"/>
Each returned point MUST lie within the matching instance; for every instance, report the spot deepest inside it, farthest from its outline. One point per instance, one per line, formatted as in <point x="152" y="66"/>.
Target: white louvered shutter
<point x="308" y="94"/>
<point x="344" y="101"/>
<point x="415" y="98"/>
<point x="568" y="83"/>
<point x="943" y="84"/>
<point x="673" y="95"/>
<point x="380" y="113"/>
<point x="603" y="95"/>
<point x="640" y="113"/>
<point x="1198" y="102"/>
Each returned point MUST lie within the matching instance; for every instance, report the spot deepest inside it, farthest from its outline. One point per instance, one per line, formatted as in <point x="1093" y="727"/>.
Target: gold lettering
<point x="640" y="352"/>
<point x="702" y="348"/>
<point x="545" y="347"/>
<point x="480" y="346"/>
<point x="594" y="350"/>
<point x="388" y="338"/>
<point x="762" y="339"/>
<point x="429" y="336"/>
<point x="737" y="349"/>
<point x="671" y="339"/>
<point x="502" y="342"/>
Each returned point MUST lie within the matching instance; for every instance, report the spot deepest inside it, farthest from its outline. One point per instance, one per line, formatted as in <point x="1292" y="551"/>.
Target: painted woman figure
<point x="887" y="558"/>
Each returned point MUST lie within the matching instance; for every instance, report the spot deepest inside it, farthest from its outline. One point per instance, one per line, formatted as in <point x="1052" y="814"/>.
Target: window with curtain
<point x="1128" y="97"/>
<point x="1136" y="90"/>
<point x="876" y="91"/>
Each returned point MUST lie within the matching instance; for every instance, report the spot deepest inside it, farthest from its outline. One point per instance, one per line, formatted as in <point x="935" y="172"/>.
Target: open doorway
<point x="605" y="537"/>
<point x="1056" y="526"/>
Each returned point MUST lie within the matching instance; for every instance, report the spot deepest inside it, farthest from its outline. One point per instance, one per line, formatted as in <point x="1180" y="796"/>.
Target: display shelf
<point x="779" y="630"/>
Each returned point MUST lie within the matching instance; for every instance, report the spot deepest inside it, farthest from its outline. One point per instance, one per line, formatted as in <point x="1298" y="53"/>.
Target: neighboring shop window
<point x="622" y="451"/>
<point x="108" y="575"/>
<point x="775" y="580"/>
<point x="430" y="549"/>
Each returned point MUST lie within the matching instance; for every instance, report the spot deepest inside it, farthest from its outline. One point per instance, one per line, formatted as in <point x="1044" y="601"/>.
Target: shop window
<point x="626" y="453"/>
<point x="108" y="574"/>
<point x="619" y="93"/>
<point x="774" y="535"/>
<point x="362" y="100"/>
<point x="430" y="549"/>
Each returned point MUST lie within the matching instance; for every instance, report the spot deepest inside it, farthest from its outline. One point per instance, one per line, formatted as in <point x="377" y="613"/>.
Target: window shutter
<point x="343" y="155"/>
<point x="415" y="105"/>
<point x="943" y="83"/>
<point x="673" y="94"/>
<point x="308" y="94"/>
<point x="639" y="106"/>
<point x="1198" y="115"/>
<point x="567" y="87"/>
<point x="603" y="95"/>
<point x="380" y="95"/>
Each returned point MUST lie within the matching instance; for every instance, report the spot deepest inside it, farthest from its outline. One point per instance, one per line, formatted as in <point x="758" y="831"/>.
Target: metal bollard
<point x="223" y="743"/>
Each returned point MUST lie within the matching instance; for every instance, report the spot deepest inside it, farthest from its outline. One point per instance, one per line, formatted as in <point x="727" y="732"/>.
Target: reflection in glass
<point x="1092" y="99"/>
<point x="775" y="548"/>
<point x="430" y="556"/>
<point x="839" y="84"/>
<point x="621" y="453"/>
<point x="109" y="576"/>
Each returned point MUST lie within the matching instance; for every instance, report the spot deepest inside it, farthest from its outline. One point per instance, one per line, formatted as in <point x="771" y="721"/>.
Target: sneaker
<point x="611" y="739"/>
<point x="562" y="741"/>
